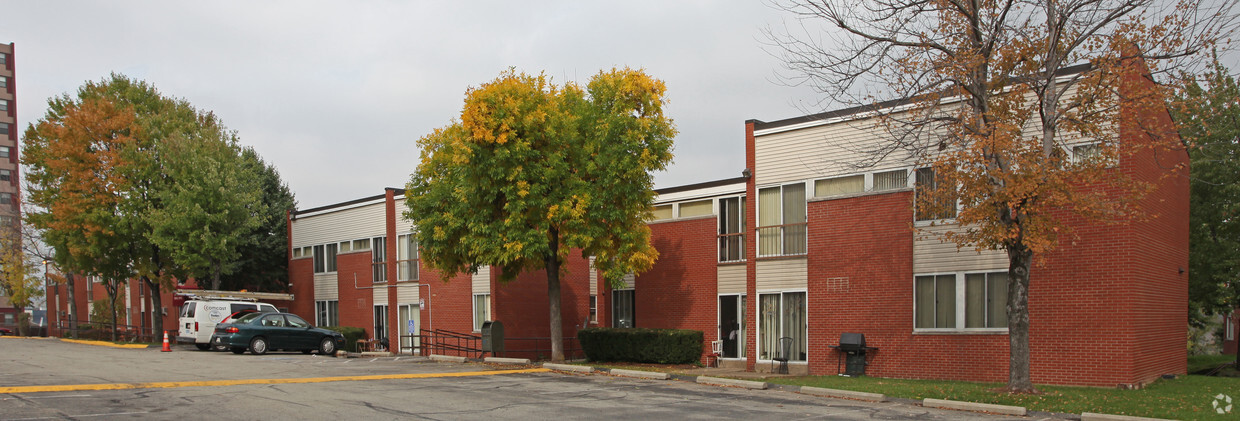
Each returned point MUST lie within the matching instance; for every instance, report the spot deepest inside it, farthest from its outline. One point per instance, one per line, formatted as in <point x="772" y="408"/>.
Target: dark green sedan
<point x="262" y="332"/>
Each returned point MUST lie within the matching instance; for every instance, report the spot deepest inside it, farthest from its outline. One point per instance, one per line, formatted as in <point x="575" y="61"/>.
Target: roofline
<point x="705" y="185"/>
<point x="763" y="125"/>
<point x="296" y="212"/>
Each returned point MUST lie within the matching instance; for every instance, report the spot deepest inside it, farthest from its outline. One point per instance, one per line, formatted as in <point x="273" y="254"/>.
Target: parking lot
<point x="61" y="380"/>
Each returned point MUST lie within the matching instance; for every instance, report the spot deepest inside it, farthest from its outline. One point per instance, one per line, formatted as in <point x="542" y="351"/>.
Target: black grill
<point x="853" y="345"/>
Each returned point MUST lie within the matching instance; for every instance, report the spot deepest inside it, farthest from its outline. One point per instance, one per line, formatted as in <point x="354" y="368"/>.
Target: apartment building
<point x="10" y="209"/>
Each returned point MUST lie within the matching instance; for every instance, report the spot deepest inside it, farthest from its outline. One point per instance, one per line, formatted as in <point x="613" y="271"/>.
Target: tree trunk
<point x="73" y="333"/>
<point x="1019" y="261"/>
<point x="157" y="316"/>
<point x="553" y="297"/>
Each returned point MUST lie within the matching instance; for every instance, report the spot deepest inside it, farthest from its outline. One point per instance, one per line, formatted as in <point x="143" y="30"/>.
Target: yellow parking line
<point x="102" y="343"/>
<point x="159" y="385"/>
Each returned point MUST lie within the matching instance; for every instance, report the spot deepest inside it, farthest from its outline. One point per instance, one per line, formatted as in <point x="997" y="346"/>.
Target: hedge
<point x="663" y="346"/>
<point x="351" y="335"/>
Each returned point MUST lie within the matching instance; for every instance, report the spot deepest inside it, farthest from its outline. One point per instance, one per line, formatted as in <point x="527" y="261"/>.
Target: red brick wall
<point x="681" y="290"/>
<point x="522" y="306"/>
<point x="356" y="304"/>
<point x="449" y="304"/>
<point x="751" y="250"/>
<point x="301" y="284"/>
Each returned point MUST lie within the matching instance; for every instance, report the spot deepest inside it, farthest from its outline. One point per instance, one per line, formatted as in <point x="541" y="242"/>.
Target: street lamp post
<point x="47" y="302"/>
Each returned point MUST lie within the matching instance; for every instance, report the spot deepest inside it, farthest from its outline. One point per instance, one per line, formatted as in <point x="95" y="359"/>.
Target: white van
<point x="198" y="318"/>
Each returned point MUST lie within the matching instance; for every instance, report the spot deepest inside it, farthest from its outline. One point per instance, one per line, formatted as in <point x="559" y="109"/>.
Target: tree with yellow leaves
<point x="533" y="171"/>
<point x="993" y="105"/>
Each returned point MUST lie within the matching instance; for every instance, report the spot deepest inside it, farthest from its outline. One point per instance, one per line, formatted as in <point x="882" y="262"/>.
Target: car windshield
<point x="246" y="318"/>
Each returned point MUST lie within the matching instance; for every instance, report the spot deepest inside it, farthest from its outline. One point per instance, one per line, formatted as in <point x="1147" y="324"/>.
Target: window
<point x="363" y="244"/>
<point x="839" y="185"/>
<point x="782" y="315"/>
<point x="890" y="180"/>
<point x="378" y="259"/>
<point x="732" y="229"/>
<point x="1230" y="327"/>
<point x="6" y="198"/>
<point x="933" y="202"/>
<point x="985" y="300"/>
<point x="4" y="59"/>
<point x="6" y="175"/>
<point x="937" y="301"/>
<point x="381" y="334"/>
<point x="296" y="252"/>
<point x="698" y="208"/>
<point x="593" y="309"/>
<point x="4" y="81"/>
<point x="482" y="310"/>
<point x="662" y="212"/>
<point x="622" y="308"/>
<point x="327" y="313"/>
<point x="4" y="128"/>
<point x="325" y="258"/>
<point x="346" y="246"/>
<point x="4" y="151"/>
<point x="407" y="257"/>
<point x="781" y="220"/>
<point x="4" y="105"/>
<point x="297" y="322"/>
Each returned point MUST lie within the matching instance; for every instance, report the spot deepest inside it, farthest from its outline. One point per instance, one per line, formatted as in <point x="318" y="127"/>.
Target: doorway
<point x="732" y="325"/>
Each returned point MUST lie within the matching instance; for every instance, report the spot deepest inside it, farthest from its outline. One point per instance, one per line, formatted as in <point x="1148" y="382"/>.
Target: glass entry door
<point x="732" y="325"/>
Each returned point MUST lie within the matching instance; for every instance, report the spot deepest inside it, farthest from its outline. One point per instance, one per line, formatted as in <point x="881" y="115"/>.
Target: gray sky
<point x="336" y="94"/>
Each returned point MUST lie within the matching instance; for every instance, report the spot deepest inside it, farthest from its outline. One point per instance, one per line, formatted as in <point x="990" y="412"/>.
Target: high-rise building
<point x="10" y="209"/>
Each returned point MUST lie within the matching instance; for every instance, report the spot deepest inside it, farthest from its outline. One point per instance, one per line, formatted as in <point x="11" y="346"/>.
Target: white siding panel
<point x="731" y="279"/>
<point x="815" y="152"/>
<point x="348" y="224"/>
<point x="933" y="254"/>
<point x="782" y="274"/>
<point x="380" y="296"/>
<point x="325" y="287"/>
<point x="408" y="293"/>
<point x="482" y="280"/>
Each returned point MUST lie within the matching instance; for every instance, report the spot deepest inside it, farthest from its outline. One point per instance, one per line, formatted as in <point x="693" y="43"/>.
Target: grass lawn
<point x="1186" y="398"/>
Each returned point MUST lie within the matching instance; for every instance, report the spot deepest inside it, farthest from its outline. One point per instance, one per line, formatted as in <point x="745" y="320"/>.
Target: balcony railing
<point x="782" y="240"/>
<point x="732" y="247"/>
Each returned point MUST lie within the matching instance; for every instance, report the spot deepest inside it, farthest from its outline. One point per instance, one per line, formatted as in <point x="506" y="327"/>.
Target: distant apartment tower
<point x="10" y="210"/>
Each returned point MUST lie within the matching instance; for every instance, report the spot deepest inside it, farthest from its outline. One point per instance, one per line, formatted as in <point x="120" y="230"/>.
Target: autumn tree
<point x="263" y="261"/>
<point x="1209" y="117"/>
<point x="19" y="280"/>
<point x="991" y="102"/>
<point x="533" y="171"/>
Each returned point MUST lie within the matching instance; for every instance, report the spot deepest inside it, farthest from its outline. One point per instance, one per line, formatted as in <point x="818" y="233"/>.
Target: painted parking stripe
<point x="161" y="385"/>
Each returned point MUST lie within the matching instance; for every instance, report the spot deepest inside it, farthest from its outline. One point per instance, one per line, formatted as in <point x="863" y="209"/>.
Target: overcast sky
<point x="336" y="94"/>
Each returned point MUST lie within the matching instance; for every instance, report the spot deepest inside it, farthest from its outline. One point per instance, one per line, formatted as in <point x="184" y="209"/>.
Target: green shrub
<point x="351" y="335"/>
<point x="663" y="346"/>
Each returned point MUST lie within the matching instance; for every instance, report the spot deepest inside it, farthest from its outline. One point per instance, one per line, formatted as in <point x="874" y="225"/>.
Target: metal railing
<point x="782" y="240"/>
<point x="102" y="331"/>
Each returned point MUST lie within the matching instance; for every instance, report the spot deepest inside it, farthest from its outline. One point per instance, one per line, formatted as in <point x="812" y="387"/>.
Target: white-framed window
<point x="960" y="301"/>
<point x="4" y="128"/>
<point x="781" y="220"/>
<point x="890" y="180"/>
<point x="593" y="309"/>
<point x="6" y="175"/>
<point x="327" y="313"/>
<point x="378" y="259"/>
<point x="848" y="184"/>
<point x="325" y="258"/>
<point x="362" y="244"/>
<point x="696" y="208"/>
<point x="4" y="82"/>
<point x="4" y="150"/>
<point x="732" y="229"/>
<point x="4" y="59"/>
<point x="782" y="323"/>
<point x="482" y="310"/>
<point x="940" y="206"/>
<point x="623" y="308"/>
<point x="6" y="198"/>
<point x="296" y="252"/>
<point x="4" y="105"/>
<point x="661" y="212"/>
<point x="1230" y="327"/>
<point x="407" y="257"/>
<point x="346" y="246"/>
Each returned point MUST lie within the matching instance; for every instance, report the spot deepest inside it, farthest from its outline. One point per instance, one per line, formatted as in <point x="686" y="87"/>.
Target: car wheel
<point x="327" y="347"/>
<point x="203" y="347"/>
<point x="237" y="350"/>
<point x="258" y="346"/>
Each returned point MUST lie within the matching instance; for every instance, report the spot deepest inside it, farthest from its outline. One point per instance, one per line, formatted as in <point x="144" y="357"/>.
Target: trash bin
<point x="493" y="337"/>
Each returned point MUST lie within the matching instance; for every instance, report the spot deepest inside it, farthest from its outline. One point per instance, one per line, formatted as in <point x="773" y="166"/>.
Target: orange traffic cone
<point x="166" y="347"/>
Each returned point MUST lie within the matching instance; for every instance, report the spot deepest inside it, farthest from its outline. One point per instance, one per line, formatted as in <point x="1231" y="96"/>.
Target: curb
<point x="719" y="381"/>
<point x="375" y="354"/>
<point x="975" y="407"/>
<point x="846" y="394"/>
<point x="447" y="358"/>
<point x="569" y="367"/>
<point x="1090" y="416"/>
<point x="639" y="374"/>
<point x="501" y="360"/>
<point x="107" y="344"/>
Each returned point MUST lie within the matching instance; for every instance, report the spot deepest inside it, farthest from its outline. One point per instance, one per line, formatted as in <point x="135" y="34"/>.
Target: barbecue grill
<point x="853" y="346"/>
